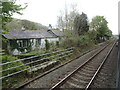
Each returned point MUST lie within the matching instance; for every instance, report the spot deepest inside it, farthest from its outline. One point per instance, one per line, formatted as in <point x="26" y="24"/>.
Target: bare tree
<point x="66" y="19"/>
<point x="60" y="21"/>
<point x="73" y="13"/>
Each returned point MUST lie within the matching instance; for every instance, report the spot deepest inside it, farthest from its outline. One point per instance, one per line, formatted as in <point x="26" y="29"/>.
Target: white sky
<point x="46" y="11"/>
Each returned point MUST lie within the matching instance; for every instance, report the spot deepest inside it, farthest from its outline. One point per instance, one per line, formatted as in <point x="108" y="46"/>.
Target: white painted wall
<point x="34" y="42"/>
<point x="49" y="39"/>
<point x="16" y="52"/>
<point x="43" y="42"/>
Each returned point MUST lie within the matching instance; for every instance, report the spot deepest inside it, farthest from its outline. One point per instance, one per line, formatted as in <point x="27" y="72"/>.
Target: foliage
<point x="65" y="20"/>
<point x="55" y="28"/>
<point x="17" y="45"/>
<point x="79" y="32"/>
<point x="78" y="41"/>
<point x="11" y="80"/>
<point x="71" y="16"/>
<point x="17" y="24"/>
<point x="108" y="33"/>
<point x="29" y="25"/>
<point x="93" y="35"/>
<point x="60" y="22"/>
<point x="47" y="44"/>
<point x="9" y="59"/>
<point x="8" y="9"/>
<point x="81" y="24"/>
<point x="57" y="43"/>
<point x="33" y="52"/>
<point x="99" y="25"/>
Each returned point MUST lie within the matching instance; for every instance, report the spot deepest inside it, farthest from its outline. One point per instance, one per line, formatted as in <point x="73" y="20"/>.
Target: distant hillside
<point x="17" y="24"/>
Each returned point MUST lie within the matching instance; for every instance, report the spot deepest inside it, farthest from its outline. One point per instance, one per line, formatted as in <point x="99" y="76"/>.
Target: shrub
<point x="10" y="81"/>
<point x="78" y="41"/>
<point x="68" y="42"/>
<point x="57" y="43"/>
<point x="47" y="45"/>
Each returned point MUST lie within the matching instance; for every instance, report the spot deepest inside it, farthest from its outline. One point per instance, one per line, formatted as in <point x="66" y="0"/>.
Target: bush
<point x="57" y="43"/>
<point x="68" y="42"/>
<point x="47" y="45"/>
<point x="10" y="81"/>
<point x="77" y="41"/>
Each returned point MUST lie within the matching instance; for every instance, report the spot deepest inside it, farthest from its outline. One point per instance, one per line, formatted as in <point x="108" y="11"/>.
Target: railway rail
<point x="26" y="83"/>
<point x="106" y="77"/>
<point x="83" y="76"/>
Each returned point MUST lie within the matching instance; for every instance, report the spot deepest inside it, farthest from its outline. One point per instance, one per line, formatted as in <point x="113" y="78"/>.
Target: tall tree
<point x="72" y="16"/>
<point x="60" y="22"/>
<point x="8" y="9"/>
<point x="66" y="18"/>
<point x="81" y="24"/>
<point x="99" y="24"/>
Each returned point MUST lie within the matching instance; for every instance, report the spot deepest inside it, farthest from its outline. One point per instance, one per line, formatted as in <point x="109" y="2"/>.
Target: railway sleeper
<point x="43" y="67"/>
<point x="79" y="81"/>
<point x="70" y="85"/>
<point x="76" y="83"/>
<point x="85" y="74"/>
<point x="94" y="62"/>
<point x="87" y="71"/>
<point x="91" y="67"/>
<point x="82" y="77"/>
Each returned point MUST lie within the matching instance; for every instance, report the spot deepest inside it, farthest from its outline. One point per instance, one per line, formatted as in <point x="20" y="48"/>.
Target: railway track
<point x="50" y="71"/>
<point x="106" y="77"/>
<point x="83" y="76"/>
<point x="47" y="72"/>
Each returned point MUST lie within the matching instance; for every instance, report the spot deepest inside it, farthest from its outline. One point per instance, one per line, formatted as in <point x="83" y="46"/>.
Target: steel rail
<point x="36" y="56"/>
<point x="51" y="70"/>
<point x="68" y="76"/>
<point x="26" y="69"/>
<point x="99" y="68"/>
<point x="29" y="67"/>
<point x="36" y="61"/>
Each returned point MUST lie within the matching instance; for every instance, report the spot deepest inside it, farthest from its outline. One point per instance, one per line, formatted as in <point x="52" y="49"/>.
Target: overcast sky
<point x="46" y="11"/>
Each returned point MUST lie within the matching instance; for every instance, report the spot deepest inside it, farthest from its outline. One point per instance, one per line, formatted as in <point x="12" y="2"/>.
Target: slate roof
<point x="58" y="33"/>
<point x="32" y="34"/>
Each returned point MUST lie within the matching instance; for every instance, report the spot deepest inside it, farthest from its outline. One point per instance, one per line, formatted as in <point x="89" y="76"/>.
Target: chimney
<point x="50" y="27"/>
<point x="23" y="28"/>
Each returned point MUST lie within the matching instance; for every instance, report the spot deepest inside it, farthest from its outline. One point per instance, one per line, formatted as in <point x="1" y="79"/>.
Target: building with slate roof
<point x="22" y="40"/>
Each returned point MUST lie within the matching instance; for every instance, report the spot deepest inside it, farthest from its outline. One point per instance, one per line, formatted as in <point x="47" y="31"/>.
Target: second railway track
<point x="83" y="76"/>
<point x="50" y="71"/>
<point x="49" y="79"/>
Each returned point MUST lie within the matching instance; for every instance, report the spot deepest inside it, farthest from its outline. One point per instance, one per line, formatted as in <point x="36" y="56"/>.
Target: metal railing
<point x="56" y="55"/>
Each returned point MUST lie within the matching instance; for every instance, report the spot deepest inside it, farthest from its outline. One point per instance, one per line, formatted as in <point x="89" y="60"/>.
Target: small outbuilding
<point x="26" y="40"/>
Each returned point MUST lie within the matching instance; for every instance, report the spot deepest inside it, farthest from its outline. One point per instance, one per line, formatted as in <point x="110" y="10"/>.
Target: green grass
<point x="41" y="51"/>
<point x="12" y="80"/>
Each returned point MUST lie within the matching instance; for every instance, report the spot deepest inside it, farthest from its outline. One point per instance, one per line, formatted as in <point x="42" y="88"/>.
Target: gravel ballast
<point x="106" y="78"/>
<point x="50" y="79"/>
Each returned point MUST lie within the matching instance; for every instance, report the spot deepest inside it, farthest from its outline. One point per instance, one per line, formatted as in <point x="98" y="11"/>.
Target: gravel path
<point x="107" y="76"/>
